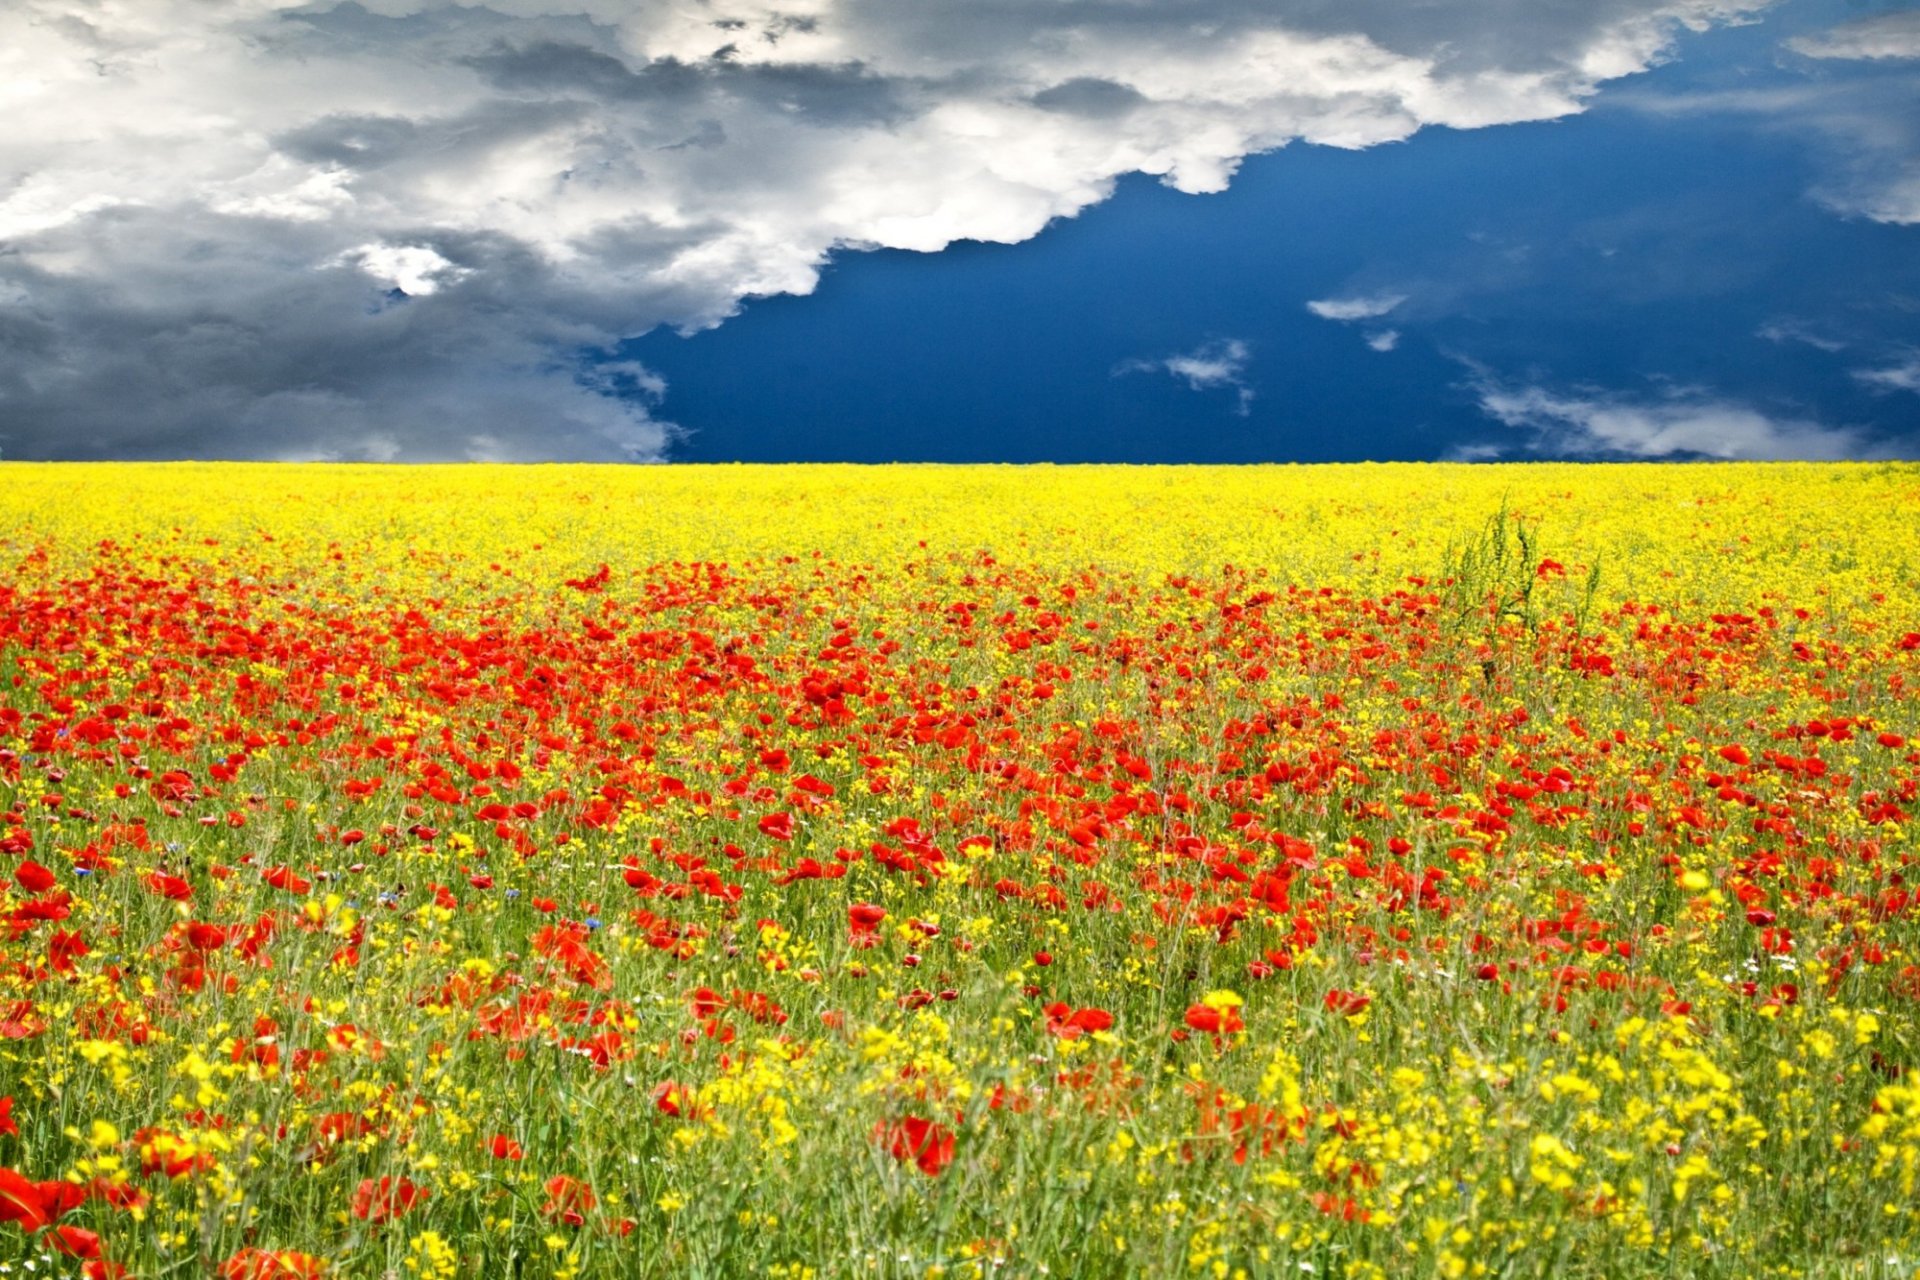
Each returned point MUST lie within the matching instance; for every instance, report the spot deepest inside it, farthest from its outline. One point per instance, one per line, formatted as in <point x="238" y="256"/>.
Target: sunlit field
<point x="927" y="872"/>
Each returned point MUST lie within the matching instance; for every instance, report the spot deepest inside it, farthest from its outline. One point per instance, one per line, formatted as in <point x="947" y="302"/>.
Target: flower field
<point x="917" y="872"/>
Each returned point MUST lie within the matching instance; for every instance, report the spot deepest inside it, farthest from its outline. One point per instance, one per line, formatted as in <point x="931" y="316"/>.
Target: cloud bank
<point x="1862" y="123"/>
<point x="1685" y="422"/>
<point x="1888" y="35"/>
<point x="415" y="228"/>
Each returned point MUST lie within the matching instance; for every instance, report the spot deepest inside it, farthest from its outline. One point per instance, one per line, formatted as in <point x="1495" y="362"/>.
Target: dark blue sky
<point x="1676" y="249"/>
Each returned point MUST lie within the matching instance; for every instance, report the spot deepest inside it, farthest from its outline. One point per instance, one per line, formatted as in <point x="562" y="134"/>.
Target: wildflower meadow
<point x="807" y="872"/>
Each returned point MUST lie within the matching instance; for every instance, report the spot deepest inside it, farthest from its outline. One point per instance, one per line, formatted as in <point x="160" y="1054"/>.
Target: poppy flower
<point x="75" y="1242"/>
<point x="386" y="1199"/>
<point x="568" y="1200"/>
<point x="169" y="1154"/>
<point x="1217" y="1015"/>
<point x="172" y="888"/>
<point x="120" y="1195"/>
<point x="281" y="1264"/>
<point x="501" y="1147"/>
<point x="33" y="877"/>
<point x="1070" y="1024"/>
<point x="63" y="949"/>
<point x="863" y="922"/>
<point x="1211" y="1021"/>
<point x="24" y="1202"/>
<point x="929" y="1145"/>
<point x="341" y="1126"/>
<point x="1346" y="1003"/>
<point x="205" y="937"/>
<point x="671" y="1098"/>
<point x="285" y="878"/>
<point x="7" y="1126"/>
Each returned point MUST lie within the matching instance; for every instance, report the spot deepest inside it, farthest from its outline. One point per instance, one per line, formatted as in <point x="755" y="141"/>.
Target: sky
<point x="960" y="230"/>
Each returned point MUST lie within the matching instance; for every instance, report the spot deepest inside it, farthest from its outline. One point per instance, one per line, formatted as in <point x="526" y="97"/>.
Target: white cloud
<point x="1385" y="340"/>
<point x="203" y="204"/>
<point x="1887" y="35"/>
<point x="1903" y="376"/>
<point x="1862" y="129"/>
<point x="1363" y="307"/>
<point x="1682" y="423"/>
<point x="1785" y="331"/>
<point x="1213" y="365"/>
<point x="414" y="269"/>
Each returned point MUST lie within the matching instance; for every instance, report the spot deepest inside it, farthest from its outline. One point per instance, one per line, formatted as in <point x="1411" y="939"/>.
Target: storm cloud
<point x="412" y="229"/>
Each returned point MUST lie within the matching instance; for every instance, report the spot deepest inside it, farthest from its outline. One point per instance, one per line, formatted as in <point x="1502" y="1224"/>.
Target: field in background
<point x="916" y="871"/>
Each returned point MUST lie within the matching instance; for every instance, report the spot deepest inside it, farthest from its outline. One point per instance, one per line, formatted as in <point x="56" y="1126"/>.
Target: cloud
<point x="413" y="228"/>
<point x="1364" y="307"/>
<point x="1888" y="35"/>
<point x="414" y="269"/>
<point x="1790" y="330"/>
<point x="1221" y="363"/>
<point x="1861" y="127"/>
<point x="1903" y="376"/>
<point x="1684" y="422"/>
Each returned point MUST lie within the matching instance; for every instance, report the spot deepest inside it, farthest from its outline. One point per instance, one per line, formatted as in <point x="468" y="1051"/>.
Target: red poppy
<point x="1070" y="1024"/>
<point x="7" y="1126"/>
<point x="929" y="1145"/>
<point x="501" y="1147"/>
<point x="75" y="1242"/>
<point x="63" y="949"/>
<point x="205" y="937"/>
<point x="285" y="878"/>
<point x="168" y="1153"/>
<point x="672" y="1098"/>
<point x="282" y="1264"/>
<point x="1215" y="1022"/>
<point x="568" y="1200"/>
<point x="24" y="1202"/>
<point x="777" y="826"/>
<point x="169" y="887"/>
<point x="120" y="1195"/>
<point x="386" y="1199"/>
<point x="33" y="877"/>
<point x="1347" y="1003"/>
<point x="863" y="921"/>
<point x="1341" y="1207"/>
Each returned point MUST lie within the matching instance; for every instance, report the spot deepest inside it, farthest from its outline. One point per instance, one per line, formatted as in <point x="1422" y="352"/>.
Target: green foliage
<point x="1499" y="589"/>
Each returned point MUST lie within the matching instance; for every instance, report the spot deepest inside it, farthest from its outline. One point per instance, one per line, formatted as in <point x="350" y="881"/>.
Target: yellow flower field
<point x="959" y="872"/>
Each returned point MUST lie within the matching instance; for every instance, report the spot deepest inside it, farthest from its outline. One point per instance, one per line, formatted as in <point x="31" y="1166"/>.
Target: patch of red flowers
<point x="386" y="1199"/>
<point x="928" y="1144"/>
